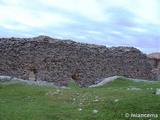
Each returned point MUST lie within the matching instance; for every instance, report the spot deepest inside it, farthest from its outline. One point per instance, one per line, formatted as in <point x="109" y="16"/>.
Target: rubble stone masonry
<point x="61" y="61"/>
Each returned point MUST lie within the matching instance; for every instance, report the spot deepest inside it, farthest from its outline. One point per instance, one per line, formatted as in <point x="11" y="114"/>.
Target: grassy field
<point x="117" y="100"/>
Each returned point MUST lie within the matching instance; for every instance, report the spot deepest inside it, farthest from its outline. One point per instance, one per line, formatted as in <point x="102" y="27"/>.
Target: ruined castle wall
<point x="61" y="61"/>
<point x="154" y="60"/>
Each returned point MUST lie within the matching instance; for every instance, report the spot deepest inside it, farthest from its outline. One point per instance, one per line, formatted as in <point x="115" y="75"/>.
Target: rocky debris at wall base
<point x="14" y="80"/>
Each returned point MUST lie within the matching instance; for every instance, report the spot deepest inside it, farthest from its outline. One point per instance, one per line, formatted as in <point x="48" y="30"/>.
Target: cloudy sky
<point x="104" y="22"/>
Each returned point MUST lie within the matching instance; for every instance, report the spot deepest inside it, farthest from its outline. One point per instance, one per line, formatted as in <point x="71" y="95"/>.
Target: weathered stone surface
<point x="61" y="61"/>
<point x="154" y="60"/>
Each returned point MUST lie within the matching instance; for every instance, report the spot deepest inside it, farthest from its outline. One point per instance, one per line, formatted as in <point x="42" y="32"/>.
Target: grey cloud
<point x="119" y="20"/>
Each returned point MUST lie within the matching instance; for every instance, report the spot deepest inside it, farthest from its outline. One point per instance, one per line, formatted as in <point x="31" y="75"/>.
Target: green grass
<point x="112" y="101"/>
<point x="72" y="85"/>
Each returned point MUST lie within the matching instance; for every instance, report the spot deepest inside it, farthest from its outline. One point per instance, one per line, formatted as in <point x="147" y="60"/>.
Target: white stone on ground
<point x="133" y="88"/>
<point x="116" y="100"/>
<point x="158" y="91"/>
<point x="80" y="109"/>
<point x="95" y="111"/>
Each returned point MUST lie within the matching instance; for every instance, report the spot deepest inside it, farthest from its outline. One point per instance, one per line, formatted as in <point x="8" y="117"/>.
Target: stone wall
<point x="154" y="60"/>
<point x="60" y="61"/>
